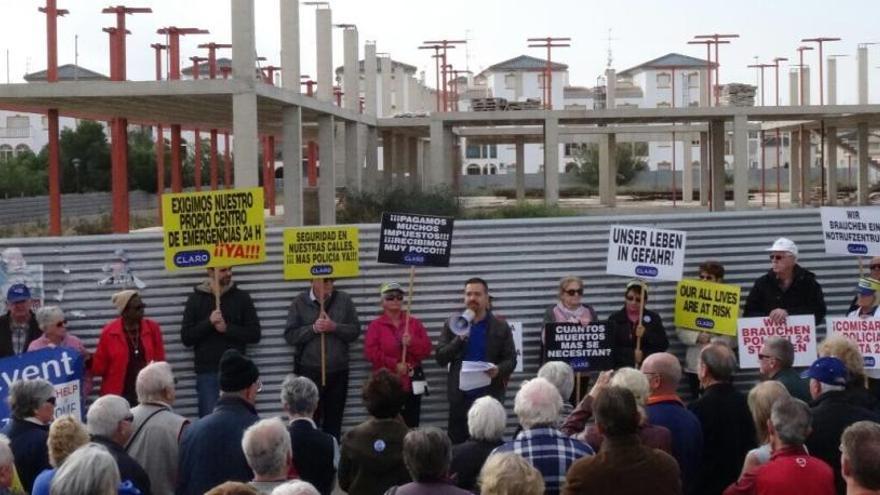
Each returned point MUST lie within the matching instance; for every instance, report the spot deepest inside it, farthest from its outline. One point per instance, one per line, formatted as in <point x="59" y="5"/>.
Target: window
<point x="493" y="151"/>
<point x="541" y="83"/>
<point x="17" y="121"/>
<point x="693" y="80"/>
<point x="22" y="148"/>
<point x="664" y="80"/>
<point x="5" y="152"/>
<point x="510" y="81"/>
<point x="472" y="151"/>
<point x="473" y="169"/>
<point x="664" y="104"/>
<point x="664" y="165"/>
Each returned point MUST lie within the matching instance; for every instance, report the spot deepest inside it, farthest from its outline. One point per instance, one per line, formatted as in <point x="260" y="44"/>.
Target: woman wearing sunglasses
<point x="52" y="323"/>
<point x="127" y="344"/>
<point x="570" y="308"/>
<point x="624" y="324"/>
<point x="383" y="347"/>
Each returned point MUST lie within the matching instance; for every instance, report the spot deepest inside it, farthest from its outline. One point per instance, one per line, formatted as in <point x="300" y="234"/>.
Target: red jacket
<point x="790" y="471"/>
<point x="383" y="349"/>
<point x="111" y="357"/>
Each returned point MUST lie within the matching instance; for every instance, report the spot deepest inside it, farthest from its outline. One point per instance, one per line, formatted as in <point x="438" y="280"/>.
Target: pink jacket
<point x="383" y="345"/>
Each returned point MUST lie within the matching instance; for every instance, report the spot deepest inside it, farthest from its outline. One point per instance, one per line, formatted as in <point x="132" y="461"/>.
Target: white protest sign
<point x="852" y="231"/>
<point x="799" y="329"/>
<point x="650" y="254"/>
<point x="517" y="330"/>
<point x="865" y="332"/>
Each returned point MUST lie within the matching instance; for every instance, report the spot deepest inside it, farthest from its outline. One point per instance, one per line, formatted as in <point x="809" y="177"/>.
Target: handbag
<point x="419" y="382"/>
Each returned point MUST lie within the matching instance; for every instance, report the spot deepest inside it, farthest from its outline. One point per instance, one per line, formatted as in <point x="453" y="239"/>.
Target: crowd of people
<point x="815" y="432"/>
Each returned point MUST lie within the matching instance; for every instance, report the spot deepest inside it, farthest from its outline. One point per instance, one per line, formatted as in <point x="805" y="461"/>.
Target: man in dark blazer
<point x="18" y="327"/>
<point x="488" y="339"/>
<point x="315" y="453"/>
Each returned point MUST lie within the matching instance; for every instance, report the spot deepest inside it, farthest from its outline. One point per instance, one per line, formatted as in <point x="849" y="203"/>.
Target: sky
<point x="640" y="30"/>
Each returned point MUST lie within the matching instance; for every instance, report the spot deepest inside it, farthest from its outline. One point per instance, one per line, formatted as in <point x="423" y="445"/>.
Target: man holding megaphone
<point x="474" y="335"/>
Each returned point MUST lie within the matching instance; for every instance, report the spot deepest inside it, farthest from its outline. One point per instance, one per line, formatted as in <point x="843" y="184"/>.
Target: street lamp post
<point x="76" y="163"/>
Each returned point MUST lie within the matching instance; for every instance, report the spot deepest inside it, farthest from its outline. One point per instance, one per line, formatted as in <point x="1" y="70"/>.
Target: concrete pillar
<point x="806" y="165"/>
<point x="717" y="133"/>
<point x="608" y="169"/>
<point x="831" y="164"/>
<point x="351" y="73"/>
<point x="244" y="104"/>
<point x="805" y="74"/>
<point x="324" y="55"/>
<point x="398" y="85"/>
<point x="371" y="160"/>
<point x="520" y="146"/>
<point x="705" y="184"/>
<point x="387" y="158"/>
<point x="863" y="187"/>
<point x="610" y="88"/>
<point x="687" y="169"/>
<point x="327" y="177"/>
<point x="793" y="92"/>
<point x="862" y="60"/>
<point x="412" y="161"/>
<point x="740" y="162"/>
<point x="436" y="173"/>
<point x="385" y="89"/>
<point x="452" y="151"/>
<point x="399" y="164"/>
<point x="704" y="91"/>
<point x="551" y="161"/>
<point x="831" y="64"/>
<point x="353" y="163"/>
<point x="290" y="42"/>
<point x="370" y="70"/>
<point x="794" y="168"/>
<point x="291" y="154"/>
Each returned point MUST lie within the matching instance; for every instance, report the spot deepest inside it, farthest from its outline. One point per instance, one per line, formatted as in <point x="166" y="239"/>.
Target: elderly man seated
<point x="791" y="470"/>
<point x="537" y="405"/>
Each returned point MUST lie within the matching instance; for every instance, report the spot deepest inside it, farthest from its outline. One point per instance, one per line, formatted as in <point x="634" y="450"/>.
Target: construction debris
<point x="495" y="104"/>
<point x="738" y="95"/>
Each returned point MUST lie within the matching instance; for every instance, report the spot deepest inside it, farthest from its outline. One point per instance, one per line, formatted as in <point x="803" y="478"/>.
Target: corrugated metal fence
<point x="521" y="259"/>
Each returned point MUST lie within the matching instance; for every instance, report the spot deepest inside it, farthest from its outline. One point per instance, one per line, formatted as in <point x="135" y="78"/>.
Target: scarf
<point x="582" y="315"/>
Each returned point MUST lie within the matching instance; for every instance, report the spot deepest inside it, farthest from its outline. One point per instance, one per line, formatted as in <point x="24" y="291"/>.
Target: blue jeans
<point x="208" y="389"/>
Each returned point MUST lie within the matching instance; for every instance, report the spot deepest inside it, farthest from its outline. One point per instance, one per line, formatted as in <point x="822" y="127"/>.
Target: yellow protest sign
<point x="707" y="306"/>
<point x="214" y="228"/>
<point x="318" y="252"/>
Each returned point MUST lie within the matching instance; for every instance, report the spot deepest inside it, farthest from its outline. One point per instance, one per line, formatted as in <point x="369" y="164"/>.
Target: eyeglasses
<point x="776" y="257"/>
<point x="633" y="299"/>
<point x="572" y="292"/>
<point x="137" y="307"/>
<point x="61" y="323"/>
<point x="394" y="297"/>
<point x="710" y="278"/>
<point x="51" y="400"/>
<point x="762" y="357"/>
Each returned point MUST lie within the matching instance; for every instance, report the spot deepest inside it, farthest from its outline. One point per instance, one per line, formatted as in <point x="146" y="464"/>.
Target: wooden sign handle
<point x="409" y="298"/>
<point x="322" y="314"/>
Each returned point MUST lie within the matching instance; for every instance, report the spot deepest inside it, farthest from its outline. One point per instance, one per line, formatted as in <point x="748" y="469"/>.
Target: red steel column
<point x="52" y="12"/>
<point x="270" y="172"/>
<point x="227" y="162"/>
<point x="213" y="166"/>
<point x="176" y="175"/>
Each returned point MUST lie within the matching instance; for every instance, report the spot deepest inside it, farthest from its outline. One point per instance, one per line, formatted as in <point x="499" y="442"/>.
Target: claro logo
<point x="705" y="323"/>
<point x="647" y="271"/>
<point x="857" y="248"/>
<point x="318" y="270"/>
<point x="188" y="259"/>
<point x="414" y="259"/>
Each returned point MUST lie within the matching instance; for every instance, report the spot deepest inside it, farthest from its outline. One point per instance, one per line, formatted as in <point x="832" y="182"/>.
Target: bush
<point x="522" y="210"/>
<point x="367" y="207"/>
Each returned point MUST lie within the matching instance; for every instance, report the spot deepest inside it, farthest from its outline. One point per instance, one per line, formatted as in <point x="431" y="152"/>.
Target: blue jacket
<point x="210" y="452"/>
<point x="687" y="438"/>
<point x="28" y="443"/>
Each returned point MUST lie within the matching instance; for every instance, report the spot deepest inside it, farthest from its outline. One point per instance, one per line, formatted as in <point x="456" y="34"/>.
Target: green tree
<point x="629" y="162"/>
<point x="24" y="175"/>
<point x="142" y="160"/>
<point x="87" y="144"/>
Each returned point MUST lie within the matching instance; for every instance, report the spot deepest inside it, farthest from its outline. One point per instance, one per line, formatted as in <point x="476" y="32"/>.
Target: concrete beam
<point x="437" y="171"/>
<point x="862" y="81"/>
<point x="327" y="177"/>
<point x="290" y="43"/>
<point x="371" y="169"/>
<point x="244" y="104"/>
<point x="412" y="161"/>
<point x="806" y="165"/>
<point x="705" y="176"/>
<point x="351" y="73"/>
<point x="551" y="161"/>
<point x="385" y="89"/>
<point x="608" y="170"/>
<point x="740" y="163"/>
<point x="520" y="168"/>
<point x="291" y="154"/>
<point x="387" y="158"/>
<point x="370" y="82"/>
<point x="687" y="169"/>
<point x="794" y="169"/>
<point x="717" y="134"/>
<point x="353" y="163"/>
<point x="324" y="53"/>
<point x="831" y="63"/>
<point x="831" y="163"/>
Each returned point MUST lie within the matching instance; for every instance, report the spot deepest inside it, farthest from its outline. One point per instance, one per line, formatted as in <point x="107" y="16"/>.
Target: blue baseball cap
<point x="18" y="293"/>
<point x="828" y="370"/>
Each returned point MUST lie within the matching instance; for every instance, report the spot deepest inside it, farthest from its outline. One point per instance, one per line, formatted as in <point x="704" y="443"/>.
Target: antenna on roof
<point x="610" y="55"/>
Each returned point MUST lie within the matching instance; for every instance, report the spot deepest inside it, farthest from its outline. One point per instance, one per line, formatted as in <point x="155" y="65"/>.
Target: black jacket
<point x="242" y="325"/>
<point x="803" y="297"/>
<point x="500" y="350"/>
<point x="28" y="443"/>
<point x="129" y="469"/>
<point x="33" y="333"/>
<point x="832" y="413"/>
<point x="624" y="332"/>
<point x="468" y="459"/>
<point x="728" y="435"/>
<point x="313" y="454"/>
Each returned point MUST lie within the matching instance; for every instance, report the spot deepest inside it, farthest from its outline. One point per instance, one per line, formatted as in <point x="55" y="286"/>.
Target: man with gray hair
<point x="832" y="412"/>
<point x="32" y="407"/>
<point x="728" y="429"/>
<point x="537" y="406"/>
<point x="860" y="458"/>
<point x="109" y="421"/>
<point x="775" y="360"/>
<point x="266" y="447"/>
<point x="7" y="466"/>
<point x="561" y="375"/>
<point x="315" y="453"/>
<point x="157" y="430"/>
<point x="791" y="470"/>
<point x="486" y="421"/>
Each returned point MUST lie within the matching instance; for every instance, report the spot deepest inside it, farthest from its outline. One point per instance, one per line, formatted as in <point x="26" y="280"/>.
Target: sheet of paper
<point x="473" y="375"/>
